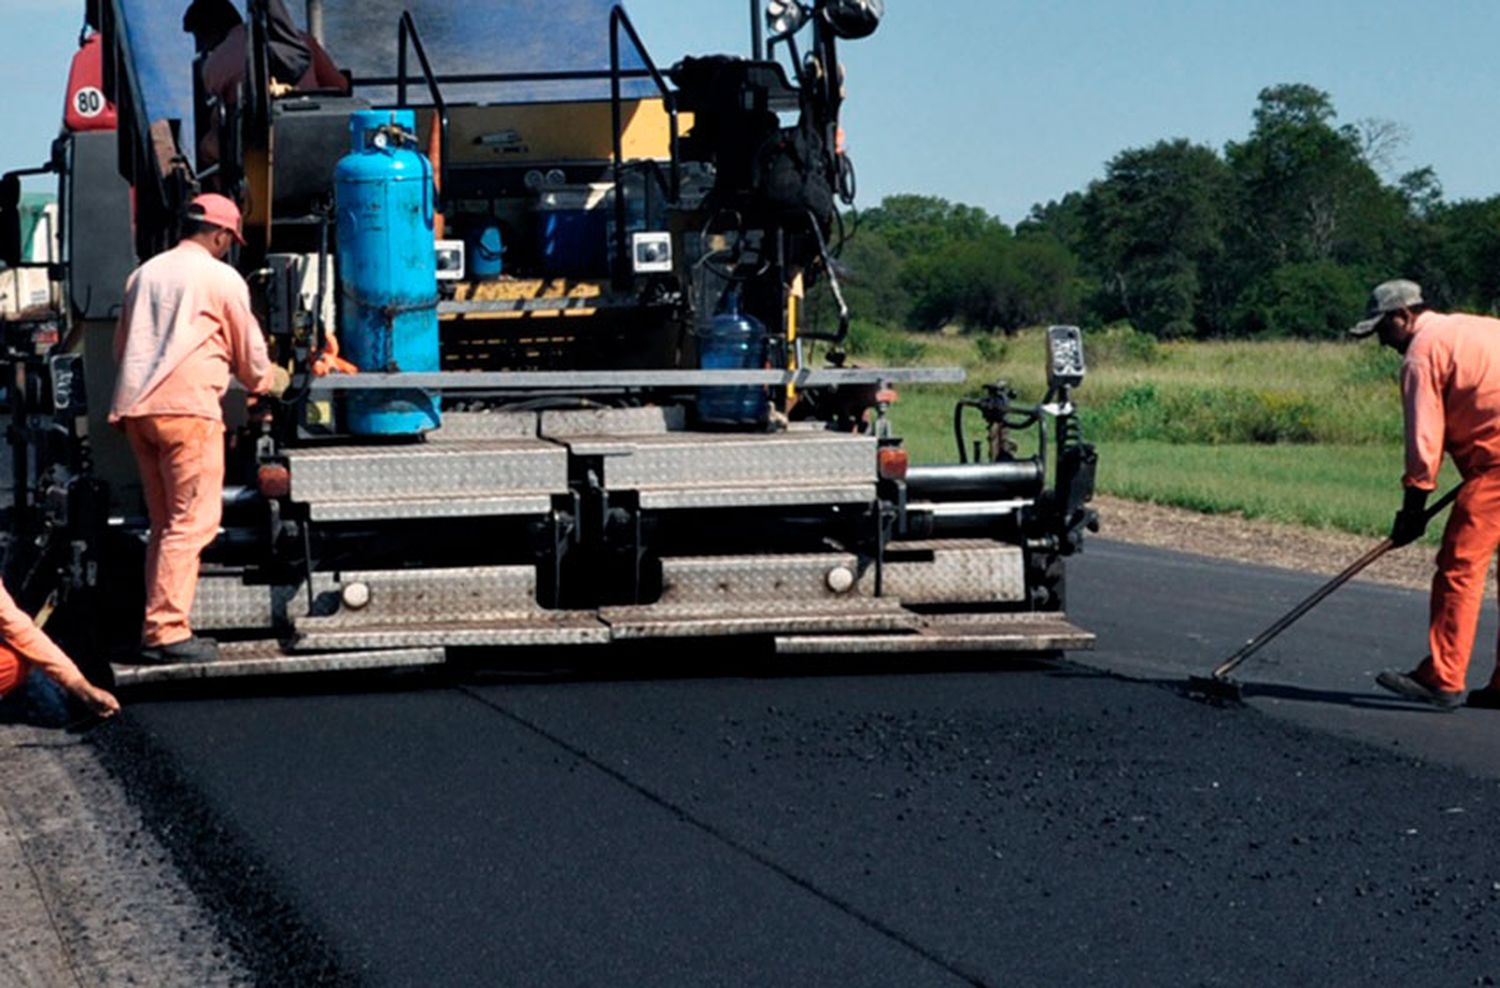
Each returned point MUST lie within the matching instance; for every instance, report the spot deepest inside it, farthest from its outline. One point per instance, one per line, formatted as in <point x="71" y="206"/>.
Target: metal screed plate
<point x="562" y="629"/>
<point x="267" y="658"/>
<point x="952" y="633"/>
<point x="627" y="623"/>
<point x="871" y="627"/>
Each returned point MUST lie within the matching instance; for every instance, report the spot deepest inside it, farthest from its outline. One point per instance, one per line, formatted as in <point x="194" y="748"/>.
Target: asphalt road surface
<point x="998" y="825"/>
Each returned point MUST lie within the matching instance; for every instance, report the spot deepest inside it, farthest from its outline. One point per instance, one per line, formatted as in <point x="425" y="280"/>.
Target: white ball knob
<point x="356" y="595"/>
<point x="840" y="579"/>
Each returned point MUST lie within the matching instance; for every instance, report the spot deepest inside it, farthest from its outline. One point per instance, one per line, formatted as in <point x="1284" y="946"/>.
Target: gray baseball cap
<point x="1388" y="296"/>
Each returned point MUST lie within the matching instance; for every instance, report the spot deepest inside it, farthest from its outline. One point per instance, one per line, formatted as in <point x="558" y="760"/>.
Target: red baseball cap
<point x="218" y="210"/>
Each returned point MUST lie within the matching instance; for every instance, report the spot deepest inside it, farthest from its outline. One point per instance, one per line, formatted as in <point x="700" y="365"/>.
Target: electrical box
<point x="1065" y="367"/>
<point x="651" y="252"/>
<point x="450" y="260"/>
<point x="294" y="292"/>
<point x="24" y="291"/>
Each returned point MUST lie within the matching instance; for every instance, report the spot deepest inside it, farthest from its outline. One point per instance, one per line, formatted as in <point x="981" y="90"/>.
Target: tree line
<point x="1279" y="235"/>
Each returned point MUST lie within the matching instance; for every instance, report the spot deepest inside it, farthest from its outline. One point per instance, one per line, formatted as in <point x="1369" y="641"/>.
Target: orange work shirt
<point x="1450" y="388"/>
<point x="31" y="643"/>
<point x="185" y="325"/>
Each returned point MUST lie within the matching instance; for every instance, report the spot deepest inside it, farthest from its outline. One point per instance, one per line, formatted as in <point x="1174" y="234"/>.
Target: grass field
<point x="1308" y="433"/>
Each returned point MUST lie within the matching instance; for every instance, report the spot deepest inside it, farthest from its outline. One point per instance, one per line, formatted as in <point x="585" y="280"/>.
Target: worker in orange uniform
<point x="1450" y="388"/>
<point x="24" y="647"/>
<point x="185" y="326"/>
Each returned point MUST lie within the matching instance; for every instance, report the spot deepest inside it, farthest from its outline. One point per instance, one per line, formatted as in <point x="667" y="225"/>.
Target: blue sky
<point x="1004" y="103"/>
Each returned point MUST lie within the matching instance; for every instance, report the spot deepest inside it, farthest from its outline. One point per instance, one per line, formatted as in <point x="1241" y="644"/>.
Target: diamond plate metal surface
<point x="225" y="603"/>
<point x="738" y="460"/>
<point x="563" y="629"/>
<point x="434" y="471"/>
<point x="264" y="659"/>
<point x="629" y="623"/>
<point x="735" y="582"/>
<point x="428" y="597"/>
<point x="952" y="633"/>
<point x="967" y="571"/>
<point x="469" y="426"/>
<point x="655" y="420"/>
<point x="389" y="508"/>
<point x="676" y="498"/>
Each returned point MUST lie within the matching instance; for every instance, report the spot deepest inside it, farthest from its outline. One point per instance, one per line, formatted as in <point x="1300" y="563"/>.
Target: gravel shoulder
<point x="1265" y="543"/>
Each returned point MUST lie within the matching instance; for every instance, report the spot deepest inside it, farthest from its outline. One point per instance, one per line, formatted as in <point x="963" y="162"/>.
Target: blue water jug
<point x="487" y="254"/>
<point x="733" y="340"/>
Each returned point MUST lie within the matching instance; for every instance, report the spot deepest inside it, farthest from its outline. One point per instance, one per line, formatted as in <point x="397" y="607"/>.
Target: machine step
<point x="443" y="478"/>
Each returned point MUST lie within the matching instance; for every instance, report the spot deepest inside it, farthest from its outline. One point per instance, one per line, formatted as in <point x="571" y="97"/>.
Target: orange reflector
<point x="887" y="395"/>
<point x="274" y="480"/>
<point x="893" y="462"/>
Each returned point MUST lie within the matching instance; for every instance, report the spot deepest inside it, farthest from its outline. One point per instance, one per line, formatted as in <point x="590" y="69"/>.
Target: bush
<point x="1317" y="300"/>
<point x="1122" y="345"/>
<point x="1374" y="364"/>
<point x="992" y="349"/>
<point x="874" y="341"/>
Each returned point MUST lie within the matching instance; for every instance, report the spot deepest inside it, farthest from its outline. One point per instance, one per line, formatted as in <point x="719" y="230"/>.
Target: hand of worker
<point x="101" y="703"/>
<point x="280" y="381"/>
<point x="1411" y="521"/>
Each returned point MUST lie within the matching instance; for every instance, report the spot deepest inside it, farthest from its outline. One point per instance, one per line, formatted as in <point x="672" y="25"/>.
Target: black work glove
<point x="1411" y="520"/>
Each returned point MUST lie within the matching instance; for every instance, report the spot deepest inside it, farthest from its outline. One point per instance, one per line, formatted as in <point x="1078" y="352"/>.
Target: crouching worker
<point x="185" y="326"/>
<point x="32" y="667"/>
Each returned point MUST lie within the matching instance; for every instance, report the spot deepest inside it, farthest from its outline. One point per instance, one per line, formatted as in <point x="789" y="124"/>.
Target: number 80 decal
<point x="88" y="101"/>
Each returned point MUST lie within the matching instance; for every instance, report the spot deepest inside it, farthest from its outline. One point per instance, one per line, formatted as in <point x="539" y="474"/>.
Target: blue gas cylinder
<point x="387" y="268"/>
<point x="733" y="340"/>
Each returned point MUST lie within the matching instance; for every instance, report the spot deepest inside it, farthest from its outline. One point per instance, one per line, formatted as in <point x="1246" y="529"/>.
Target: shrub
<point x="1122" y="345"/>
<point x="992" y="349"/>
<point x="874" y="341"/>
<point x="1316" y="300"/>
<point x="1374" y="364"/>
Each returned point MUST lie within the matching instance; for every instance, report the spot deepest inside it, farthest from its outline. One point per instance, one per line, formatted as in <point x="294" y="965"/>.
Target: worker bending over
<point x="1450" y="389"/>
<point x="185" y="326"/>
<point x="24" y="647"/>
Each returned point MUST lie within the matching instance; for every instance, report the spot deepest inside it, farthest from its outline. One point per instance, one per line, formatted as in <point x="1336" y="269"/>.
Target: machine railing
<point x="407" y="32"/>
<point x="410" y="38"/>
<point x="618" y="19"/>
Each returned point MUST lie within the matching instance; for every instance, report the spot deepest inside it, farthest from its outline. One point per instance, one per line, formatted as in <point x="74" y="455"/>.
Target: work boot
<point x="193" y="649"/>
<point x="1486" y="698"/>
<point x="1406" y="684"/>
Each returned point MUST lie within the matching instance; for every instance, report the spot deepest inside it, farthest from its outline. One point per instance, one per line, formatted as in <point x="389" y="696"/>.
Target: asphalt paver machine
<point x="554" y="382"/>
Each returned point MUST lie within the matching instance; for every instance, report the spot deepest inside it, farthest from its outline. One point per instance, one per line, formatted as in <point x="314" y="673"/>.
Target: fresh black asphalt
<point x="1008" y="825"/>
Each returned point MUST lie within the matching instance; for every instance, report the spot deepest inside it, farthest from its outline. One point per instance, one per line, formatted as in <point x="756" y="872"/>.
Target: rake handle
<point x="1386" y="545"/>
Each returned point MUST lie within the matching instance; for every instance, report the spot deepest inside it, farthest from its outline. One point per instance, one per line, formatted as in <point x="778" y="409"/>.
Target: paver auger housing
<point x="546" y="308"/>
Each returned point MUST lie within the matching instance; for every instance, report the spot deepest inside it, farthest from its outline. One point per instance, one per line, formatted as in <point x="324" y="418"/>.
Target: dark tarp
<point x="461" y="38"/>
<point x="477" y="38"/>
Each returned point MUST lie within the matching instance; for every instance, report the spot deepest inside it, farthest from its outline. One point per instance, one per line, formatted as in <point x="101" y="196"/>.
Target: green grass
<point x="1308" y="433"/>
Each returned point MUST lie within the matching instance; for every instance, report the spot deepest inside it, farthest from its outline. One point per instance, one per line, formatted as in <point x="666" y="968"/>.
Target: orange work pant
<point x="182" y="470"/>
<point x="1469" y="542"/>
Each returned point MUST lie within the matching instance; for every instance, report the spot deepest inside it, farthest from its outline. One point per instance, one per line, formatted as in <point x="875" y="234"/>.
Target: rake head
<point x="1217" y="690"/>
